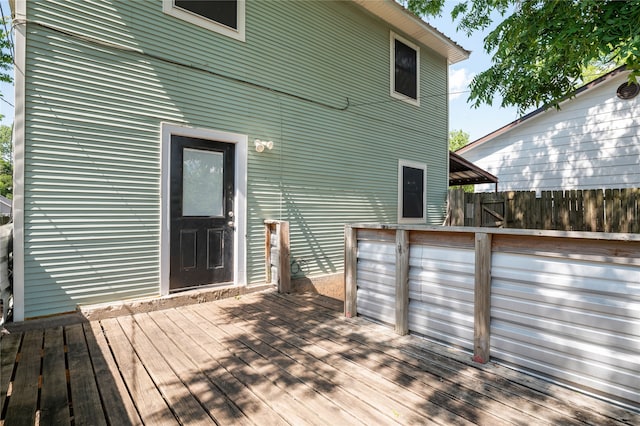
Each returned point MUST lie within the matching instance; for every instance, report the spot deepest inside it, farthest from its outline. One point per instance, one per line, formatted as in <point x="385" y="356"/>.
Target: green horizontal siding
<point x="94" y="107"/>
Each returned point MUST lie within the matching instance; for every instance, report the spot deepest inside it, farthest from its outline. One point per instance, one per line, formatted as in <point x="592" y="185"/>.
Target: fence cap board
<point x="607" y="236"/>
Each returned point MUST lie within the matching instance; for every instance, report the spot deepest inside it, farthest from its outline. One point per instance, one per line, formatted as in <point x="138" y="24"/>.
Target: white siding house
<point x="592" y="142"/>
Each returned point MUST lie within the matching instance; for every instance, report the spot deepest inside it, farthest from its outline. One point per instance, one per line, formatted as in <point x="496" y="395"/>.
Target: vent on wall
<point x="628" y="90"/>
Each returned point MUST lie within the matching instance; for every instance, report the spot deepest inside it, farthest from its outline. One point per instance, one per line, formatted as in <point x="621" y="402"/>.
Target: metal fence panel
<point x="376" y="281"/>
<point x="576" y="321"/>
<point x="441" y="284"/>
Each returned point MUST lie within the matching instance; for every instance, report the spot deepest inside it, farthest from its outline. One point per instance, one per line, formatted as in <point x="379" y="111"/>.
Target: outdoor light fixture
<point x="261" y="145"/>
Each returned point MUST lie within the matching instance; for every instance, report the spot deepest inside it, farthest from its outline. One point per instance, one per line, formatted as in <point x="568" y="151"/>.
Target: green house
<point x="154" y="138"/>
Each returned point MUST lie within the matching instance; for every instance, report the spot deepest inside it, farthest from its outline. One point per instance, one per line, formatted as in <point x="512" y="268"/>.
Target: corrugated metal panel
<point x="574" y="321"/>
<point x="376" y="275"/>
<point x="92" y="209"/>
<point x="441" y="286"/>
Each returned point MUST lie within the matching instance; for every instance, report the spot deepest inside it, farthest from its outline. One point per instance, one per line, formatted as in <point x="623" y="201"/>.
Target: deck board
<point x="237" y="360"/>
<point x="204" y="354"/>
<point x="182" y="402"/>
<point x="429" y="388"/>
<point x="54" y="404"/>
<point x="267" y="359"/>
<point x="146" y="397"/>
<point x="218" y="406"/>
<point x="118" y="405"/>
<point x="351" y="375"/>
<point x="9" y="347"/>
<point x="23" y="401"/>
<point x="85" y="398"/>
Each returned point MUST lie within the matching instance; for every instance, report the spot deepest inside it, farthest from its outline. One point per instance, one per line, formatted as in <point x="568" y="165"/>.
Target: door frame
<point x="240" y="200"/>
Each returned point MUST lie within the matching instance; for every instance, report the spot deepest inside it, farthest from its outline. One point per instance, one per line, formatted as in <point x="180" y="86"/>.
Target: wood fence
<point x="610" y="210"/>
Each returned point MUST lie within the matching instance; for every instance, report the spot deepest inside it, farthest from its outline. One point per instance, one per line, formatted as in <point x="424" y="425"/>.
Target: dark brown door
<point x="202" y="187"/>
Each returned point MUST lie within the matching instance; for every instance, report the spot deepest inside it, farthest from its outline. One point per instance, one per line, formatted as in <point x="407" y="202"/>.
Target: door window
<point x="202" y="183"/>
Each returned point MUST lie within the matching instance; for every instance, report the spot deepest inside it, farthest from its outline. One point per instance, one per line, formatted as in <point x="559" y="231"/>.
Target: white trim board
<point x="415" y="165"/>
<point x="20" y="63"/>
<point x="240" y="197"/>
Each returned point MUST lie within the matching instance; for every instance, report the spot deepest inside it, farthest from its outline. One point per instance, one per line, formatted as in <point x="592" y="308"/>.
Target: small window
<point x="222" y="16"/>
<point x="412" y="191"/>
<point x="405" y="70"/>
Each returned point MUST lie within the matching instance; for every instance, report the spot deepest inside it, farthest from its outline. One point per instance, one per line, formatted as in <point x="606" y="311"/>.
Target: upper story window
<point x="222" y="16"/>
<point x="405" y="70"/>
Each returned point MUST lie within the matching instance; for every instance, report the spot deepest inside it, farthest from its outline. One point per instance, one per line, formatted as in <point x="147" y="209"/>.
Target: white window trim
<point x="415" y="165"/>
<point x="392" y="69"/>
<point x="169" y="7"/>
<point x="240" y="201"/>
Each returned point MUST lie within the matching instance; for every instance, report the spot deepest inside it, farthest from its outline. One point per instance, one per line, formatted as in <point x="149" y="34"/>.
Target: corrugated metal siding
<point x="441" y="289"/>
<point x="572" y="320"/>
<point x="376" y="275"/>
<point x="92" y="210"/>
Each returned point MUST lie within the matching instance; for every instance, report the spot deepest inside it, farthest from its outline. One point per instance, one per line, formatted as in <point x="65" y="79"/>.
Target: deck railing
<point x="565" y="304"/>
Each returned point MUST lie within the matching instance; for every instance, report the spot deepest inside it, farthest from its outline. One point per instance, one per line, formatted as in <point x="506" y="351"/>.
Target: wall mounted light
<point x="261" y="145"/>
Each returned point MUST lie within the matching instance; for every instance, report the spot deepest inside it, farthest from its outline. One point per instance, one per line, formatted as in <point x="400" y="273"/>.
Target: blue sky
<point x="477" y="122"/>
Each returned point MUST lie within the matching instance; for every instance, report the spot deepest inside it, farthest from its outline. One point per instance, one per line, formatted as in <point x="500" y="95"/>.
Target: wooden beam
<point x="350" y="268"/>
<point x="267" y="252"/>
<point x="402" y="282"/>
<point x="482" y="299"/>
<point x="284" y="264"/>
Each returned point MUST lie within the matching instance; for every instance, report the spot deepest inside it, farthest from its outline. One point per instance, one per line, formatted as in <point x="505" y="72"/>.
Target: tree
<point x="6" y="161"/>
<point x="542" y="48"/>
<point x="6" y="50"/>
<point x="457" y="139"/>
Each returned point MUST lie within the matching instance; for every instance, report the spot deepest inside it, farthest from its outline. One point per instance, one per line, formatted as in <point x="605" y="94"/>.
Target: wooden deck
<point x="266" y="359"/>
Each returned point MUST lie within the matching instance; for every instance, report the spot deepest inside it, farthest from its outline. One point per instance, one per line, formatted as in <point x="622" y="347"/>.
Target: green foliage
<point x="457" y="139"/>
<point x="6" y="145"/>
<point x="6" y="161"/>
<point x="6" y="51"/>
<point x="542" y="47"/>
<point x="6" y="178"/>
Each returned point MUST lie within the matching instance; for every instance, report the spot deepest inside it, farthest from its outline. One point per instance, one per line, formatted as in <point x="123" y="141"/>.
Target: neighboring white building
<point x="592" y="142"/>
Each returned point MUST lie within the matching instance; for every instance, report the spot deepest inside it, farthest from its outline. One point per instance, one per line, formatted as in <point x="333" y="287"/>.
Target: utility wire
<point x="6" y="102"/>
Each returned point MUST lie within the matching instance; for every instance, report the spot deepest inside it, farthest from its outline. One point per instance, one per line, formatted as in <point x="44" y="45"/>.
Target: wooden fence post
<point x="267" y="250"/>
<point x="402" y="282"/>
<point x="482" y="299"/>
<point x="350" y="268"/>
<point x="284" y="264"/>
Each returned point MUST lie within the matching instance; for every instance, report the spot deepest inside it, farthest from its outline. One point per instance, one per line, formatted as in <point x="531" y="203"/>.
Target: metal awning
<point x="464" y="172"/>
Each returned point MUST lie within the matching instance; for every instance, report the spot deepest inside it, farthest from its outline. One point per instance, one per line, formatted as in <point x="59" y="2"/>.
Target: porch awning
<point x="464" y="172"/>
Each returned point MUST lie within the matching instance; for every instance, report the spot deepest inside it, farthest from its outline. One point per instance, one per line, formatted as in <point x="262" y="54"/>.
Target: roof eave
<point x="414" y="27"/>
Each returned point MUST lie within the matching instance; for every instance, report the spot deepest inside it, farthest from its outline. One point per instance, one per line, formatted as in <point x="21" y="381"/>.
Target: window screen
<point x="406" y="71"/>
<point x="412" y="192"/>
<point x="224" y="12"/>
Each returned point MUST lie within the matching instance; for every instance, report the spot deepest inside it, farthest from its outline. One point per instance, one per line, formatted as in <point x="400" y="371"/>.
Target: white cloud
<point x="459" y="82"/>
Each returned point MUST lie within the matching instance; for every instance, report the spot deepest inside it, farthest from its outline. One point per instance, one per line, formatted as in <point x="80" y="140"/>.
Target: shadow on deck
<point x="266" y="359"/>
